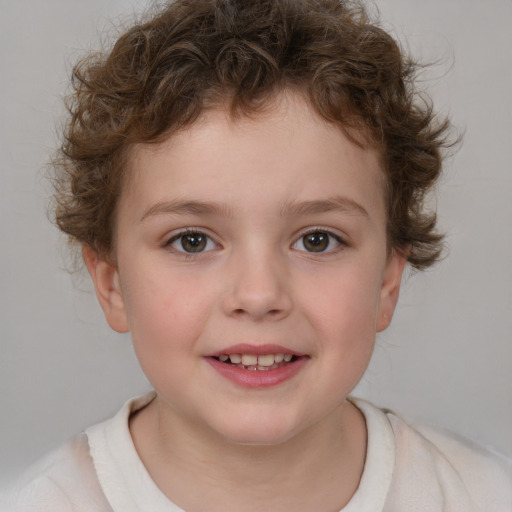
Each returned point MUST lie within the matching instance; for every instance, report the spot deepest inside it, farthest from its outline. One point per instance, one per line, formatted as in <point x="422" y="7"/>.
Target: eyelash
<point x="189" y="231"/>
<point x="341" y="243"/>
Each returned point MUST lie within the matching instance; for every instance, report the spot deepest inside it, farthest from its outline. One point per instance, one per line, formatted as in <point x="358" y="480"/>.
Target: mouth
<point x="253" y="362"/>
<point x="257" y="366"/>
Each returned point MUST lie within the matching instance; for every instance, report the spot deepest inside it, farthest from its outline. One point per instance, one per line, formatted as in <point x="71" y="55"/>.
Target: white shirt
<point x="406" y="470"/>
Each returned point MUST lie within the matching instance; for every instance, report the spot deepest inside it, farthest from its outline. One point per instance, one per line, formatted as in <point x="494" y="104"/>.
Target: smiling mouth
<point x="254" y="362"/>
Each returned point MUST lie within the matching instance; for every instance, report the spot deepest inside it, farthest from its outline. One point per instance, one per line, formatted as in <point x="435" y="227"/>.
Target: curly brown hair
<point x="193" y="55"/>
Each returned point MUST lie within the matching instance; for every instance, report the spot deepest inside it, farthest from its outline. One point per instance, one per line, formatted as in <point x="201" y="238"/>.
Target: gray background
<point x="447" y="358"/>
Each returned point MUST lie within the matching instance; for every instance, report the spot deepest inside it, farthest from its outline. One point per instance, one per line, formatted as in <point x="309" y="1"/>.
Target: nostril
<point x="241" y="311"/>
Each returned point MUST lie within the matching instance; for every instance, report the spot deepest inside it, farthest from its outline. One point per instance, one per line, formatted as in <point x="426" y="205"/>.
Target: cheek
<point x="166" y="313"/>
<point x="345" y="304"/>
<point x="164" y="331"/>
<point x="342" y="313"/>
<point x="346" y="325"/>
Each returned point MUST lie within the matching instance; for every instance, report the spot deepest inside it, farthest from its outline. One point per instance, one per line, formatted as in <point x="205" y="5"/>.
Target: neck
<point x="318" y="469"/>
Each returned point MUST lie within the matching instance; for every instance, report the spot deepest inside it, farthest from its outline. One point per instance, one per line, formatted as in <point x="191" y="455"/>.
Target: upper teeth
<point x="253" y="360"/>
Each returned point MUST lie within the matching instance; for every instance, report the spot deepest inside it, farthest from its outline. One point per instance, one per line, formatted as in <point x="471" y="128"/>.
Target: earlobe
<point x="390" y="289"/>
<point x="108" y="290"/>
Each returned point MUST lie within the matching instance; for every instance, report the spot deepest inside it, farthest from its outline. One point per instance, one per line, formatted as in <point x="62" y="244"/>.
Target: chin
<point x="258" y="430"/>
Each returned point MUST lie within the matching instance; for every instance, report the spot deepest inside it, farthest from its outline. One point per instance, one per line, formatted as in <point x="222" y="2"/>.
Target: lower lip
<point x="258" y="378"/>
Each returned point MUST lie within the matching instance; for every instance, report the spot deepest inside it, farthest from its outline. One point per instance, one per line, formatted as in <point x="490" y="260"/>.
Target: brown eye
<point x="318" y="241"/>
<point x="192" y="242"/>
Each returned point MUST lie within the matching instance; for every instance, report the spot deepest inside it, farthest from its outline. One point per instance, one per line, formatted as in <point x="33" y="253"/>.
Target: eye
<point x="318" y="241"/>
<point x="192" y="242"/>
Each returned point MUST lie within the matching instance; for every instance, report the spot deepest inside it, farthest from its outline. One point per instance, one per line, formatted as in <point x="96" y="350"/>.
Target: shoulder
<point x="471" y="459"/>
<point x="430" y="469"/>
<point x="63" y="480"/>
<point x="454" y="465"/>
<point x="86" y="474"/>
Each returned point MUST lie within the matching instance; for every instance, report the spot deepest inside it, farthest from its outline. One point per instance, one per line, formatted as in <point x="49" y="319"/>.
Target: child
<point x="246" y="181"/>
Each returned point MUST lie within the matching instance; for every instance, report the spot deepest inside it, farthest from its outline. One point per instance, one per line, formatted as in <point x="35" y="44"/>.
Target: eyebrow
<point x="193" y="207"/>
<point x="337" y="203"/>
<point x="184" y="207"/>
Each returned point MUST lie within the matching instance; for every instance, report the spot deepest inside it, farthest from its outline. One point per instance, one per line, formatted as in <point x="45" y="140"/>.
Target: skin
<point x="272" y="179"/>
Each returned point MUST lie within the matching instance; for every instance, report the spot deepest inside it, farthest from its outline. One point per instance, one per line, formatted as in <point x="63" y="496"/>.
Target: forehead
<point x="288" y="146"/>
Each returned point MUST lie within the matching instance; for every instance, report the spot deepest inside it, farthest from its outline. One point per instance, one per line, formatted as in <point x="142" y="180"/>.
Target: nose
<point x="258" y="287"/>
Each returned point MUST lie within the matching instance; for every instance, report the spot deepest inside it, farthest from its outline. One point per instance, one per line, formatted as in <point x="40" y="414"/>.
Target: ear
<point x="108" y="290"/>
<point x="390" y="289"/>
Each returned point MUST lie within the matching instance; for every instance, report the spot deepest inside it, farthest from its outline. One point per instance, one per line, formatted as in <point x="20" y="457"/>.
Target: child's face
<point x="263" y="236"/>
